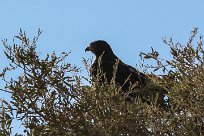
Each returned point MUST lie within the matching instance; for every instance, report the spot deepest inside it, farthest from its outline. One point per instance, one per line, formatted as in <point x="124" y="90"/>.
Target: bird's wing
<point x="136" y="76"/>
<point x="124" y="74"/>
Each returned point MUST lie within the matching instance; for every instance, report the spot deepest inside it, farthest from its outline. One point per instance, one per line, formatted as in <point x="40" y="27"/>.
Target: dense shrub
<point x="49" y="97"/>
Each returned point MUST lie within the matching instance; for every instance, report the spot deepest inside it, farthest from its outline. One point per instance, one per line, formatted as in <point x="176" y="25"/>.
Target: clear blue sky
<point x="130" y="26"/>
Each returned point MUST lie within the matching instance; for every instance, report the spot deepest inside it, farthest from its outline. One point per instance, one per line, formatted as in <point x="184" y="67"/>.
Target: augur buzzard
<point x="127" y="77"/>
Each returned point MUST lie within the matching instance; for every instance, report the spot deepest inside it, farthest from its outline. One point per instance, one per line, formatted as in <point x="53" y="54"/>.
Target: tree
<point x="48" y="96"/>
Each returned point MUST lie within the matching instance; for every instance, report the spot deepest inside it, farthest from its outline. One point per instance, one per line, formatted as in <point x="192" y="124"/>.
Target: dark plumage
<point x="127" y="77"/>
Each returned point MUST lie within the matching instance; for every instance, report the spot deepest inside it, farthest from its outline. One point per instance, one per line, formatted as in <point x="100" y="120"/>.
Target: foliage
<point x="49" y="97"/>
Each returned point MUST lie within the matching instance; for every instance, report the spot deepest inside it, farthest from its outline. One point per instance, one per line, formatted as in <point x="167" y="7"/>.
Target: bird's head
<point x="99" y="47"/>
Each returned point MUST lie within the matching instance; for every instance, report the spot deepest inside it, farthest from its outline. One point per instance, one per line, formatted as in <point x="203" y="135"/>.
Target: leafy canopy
<point x="48" y="96"/>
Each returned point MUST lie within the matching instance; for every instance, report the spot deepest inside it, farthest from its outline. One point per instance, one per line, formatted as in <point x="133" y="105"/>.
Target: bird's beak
<point x="87" y="49"/>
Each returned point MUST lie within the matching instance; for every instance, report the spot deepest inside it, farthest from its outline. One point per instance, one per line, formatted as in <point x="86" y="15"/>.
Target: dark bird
<point x="109" y="67"/>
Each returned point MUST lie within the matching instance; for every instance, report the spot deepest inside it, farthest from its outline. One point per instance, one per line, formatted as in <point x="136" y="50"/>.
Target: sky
<point x="129" y="26"/>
